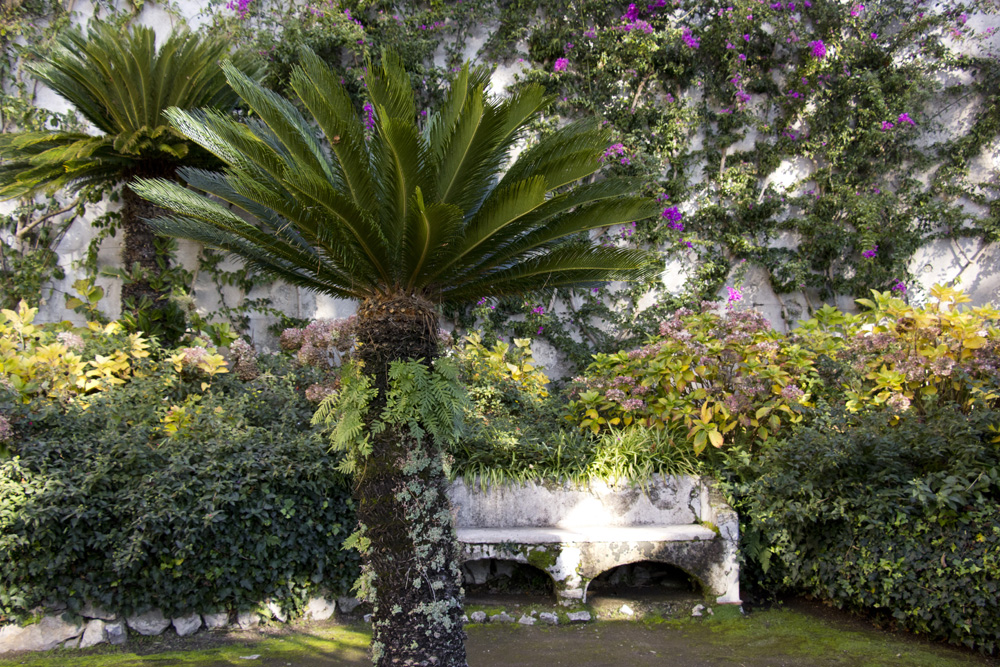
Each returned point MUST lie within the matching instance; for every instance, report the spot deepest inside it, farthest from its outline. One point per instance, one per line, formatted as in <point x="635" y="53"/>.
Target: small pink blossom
<point x="560" y="64"/>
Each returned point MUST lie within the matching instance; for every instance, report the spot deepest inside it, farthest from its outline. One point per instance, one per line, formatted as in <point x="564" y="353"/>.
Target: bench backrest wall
<point x="661" y="501"/>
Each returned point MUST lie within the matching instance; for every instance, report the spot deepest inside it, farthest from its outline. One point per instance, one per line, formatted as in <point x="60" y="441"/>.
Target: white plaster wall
<point x="976" y="265"/>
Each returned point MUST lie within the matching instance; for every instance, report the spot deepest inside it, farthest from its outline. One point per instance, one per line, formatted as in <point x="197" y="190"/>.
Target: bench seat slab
<point x="585" y="534"/>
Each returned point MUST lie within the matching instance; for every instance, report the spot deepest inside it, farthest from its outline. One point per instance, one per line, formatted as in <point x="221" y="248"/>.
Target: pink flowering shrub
<point x="322" y="343"/>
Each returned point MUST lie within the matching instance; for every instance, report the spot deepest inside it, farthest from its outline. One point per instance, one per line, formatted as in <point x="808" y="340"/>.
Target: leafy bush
<point x="717" y="379"/>
<point x="897" y="355"/>
<point x="232" y="501"/>
<point x="900" y="518"/>
<point x="705" y="378"/>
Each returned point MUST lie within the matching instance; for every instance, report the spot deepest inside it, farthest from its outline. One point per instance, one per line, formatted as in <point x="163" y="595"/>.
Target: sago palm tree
<point x="373" y="207"/>
<point x="121" y="84"/>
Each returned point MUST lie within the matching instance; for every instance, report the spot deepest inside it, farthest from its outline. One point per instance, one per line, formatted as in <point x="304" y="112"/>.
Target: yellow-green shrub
<point x="48" y="360"/>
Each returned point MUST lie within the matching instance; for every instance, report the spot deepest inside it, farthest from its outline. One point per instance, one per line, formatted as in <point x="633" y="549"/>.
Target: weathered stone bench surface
<point x="575" y="533"/>
<point x="535" y="535"/>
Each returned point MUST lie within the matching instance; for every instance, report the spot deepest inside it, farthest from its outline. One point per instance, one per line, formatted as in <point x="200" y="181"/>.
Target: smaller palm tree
<point x="121" y="84"/>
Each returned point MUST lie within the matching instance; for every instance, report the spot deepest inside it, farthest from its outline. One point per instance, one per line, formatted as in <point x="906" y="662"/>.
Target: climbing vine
<point x="814" y="144"/>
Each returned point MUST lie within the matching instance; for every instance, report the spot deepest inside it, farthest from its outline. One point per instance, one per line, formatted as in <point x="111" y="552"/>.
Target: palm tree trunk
<point x="138" y="247"/>
<point x="413" y="550"/>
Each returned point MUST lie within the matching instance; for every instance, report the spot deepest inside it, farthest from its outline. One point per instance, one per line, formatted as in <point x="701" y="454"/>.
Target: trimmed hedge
<point x="897" y="519"/>
<point x="237" y="504"/>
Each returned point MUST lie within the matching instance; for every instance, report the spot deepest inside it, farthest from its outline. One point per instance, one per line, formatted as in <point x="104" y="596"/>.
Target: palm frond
<point x="283" y="119"/>
<point x="583" y="140"/>
<point x="121" y="83"/>
<point x="581" y="264"/>
<point x="441" y="123"/>
<point x="492" y="225"/>
<point x="328" y="102"/>
<point x="555" y="230"/>
<point x="390" y="88"/>
<point x="429" y="231"/>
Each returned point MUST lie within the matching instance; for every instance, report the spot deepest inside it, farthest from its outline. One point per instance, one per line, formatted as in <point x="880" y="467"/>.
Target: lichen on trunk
<point x="412" y="554"/>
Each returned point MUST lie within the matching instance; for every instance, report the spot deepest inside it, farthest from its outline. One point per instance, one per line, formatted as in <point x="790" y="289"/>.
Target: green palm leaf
<point x="399" y="210"/>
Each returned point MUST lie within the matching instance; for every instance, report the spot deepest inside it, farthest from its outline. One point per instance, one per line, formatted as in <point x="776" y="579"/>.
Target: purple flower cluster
<point x="560" y="64"/>
<point x="870" y="252"/>
<point x="688" y="38"/>
<point x="614" y="150"/>
<point x="638" y="26"/>
<point x="734" y="295"/>
<point x="792" y="392"/>
<point x="674" y="218"/>
<point x="818" y="49"/>
<point x="633" y="404"/>
<point x="370" y="117"/>
<point x="240" y="6"/>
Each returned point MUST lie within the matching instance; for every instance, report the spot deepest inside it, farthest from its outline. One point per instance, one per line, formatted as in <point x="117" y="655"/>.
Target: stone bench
<point x="575" y="533"/>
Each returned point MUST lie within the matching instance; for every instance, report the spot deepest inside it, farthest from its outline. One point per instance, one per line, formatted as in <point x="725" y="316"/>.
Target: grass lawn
<point x="802" y="634"/>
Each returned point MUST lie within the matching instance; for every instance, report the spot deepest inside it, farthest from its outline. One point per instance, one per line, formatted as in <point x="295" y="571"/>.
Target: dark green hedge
<point x="898" y="519"/>
<point x="241" y="505"/>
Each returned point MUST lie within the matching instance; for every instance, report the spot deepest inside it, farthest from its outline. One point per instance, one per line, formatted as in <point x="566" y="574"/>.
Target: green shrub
<point x="718" y="380"/>
<point x="706" y="379"/>
<point x="900" y="519"/>
<point x="233" y="501"/>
